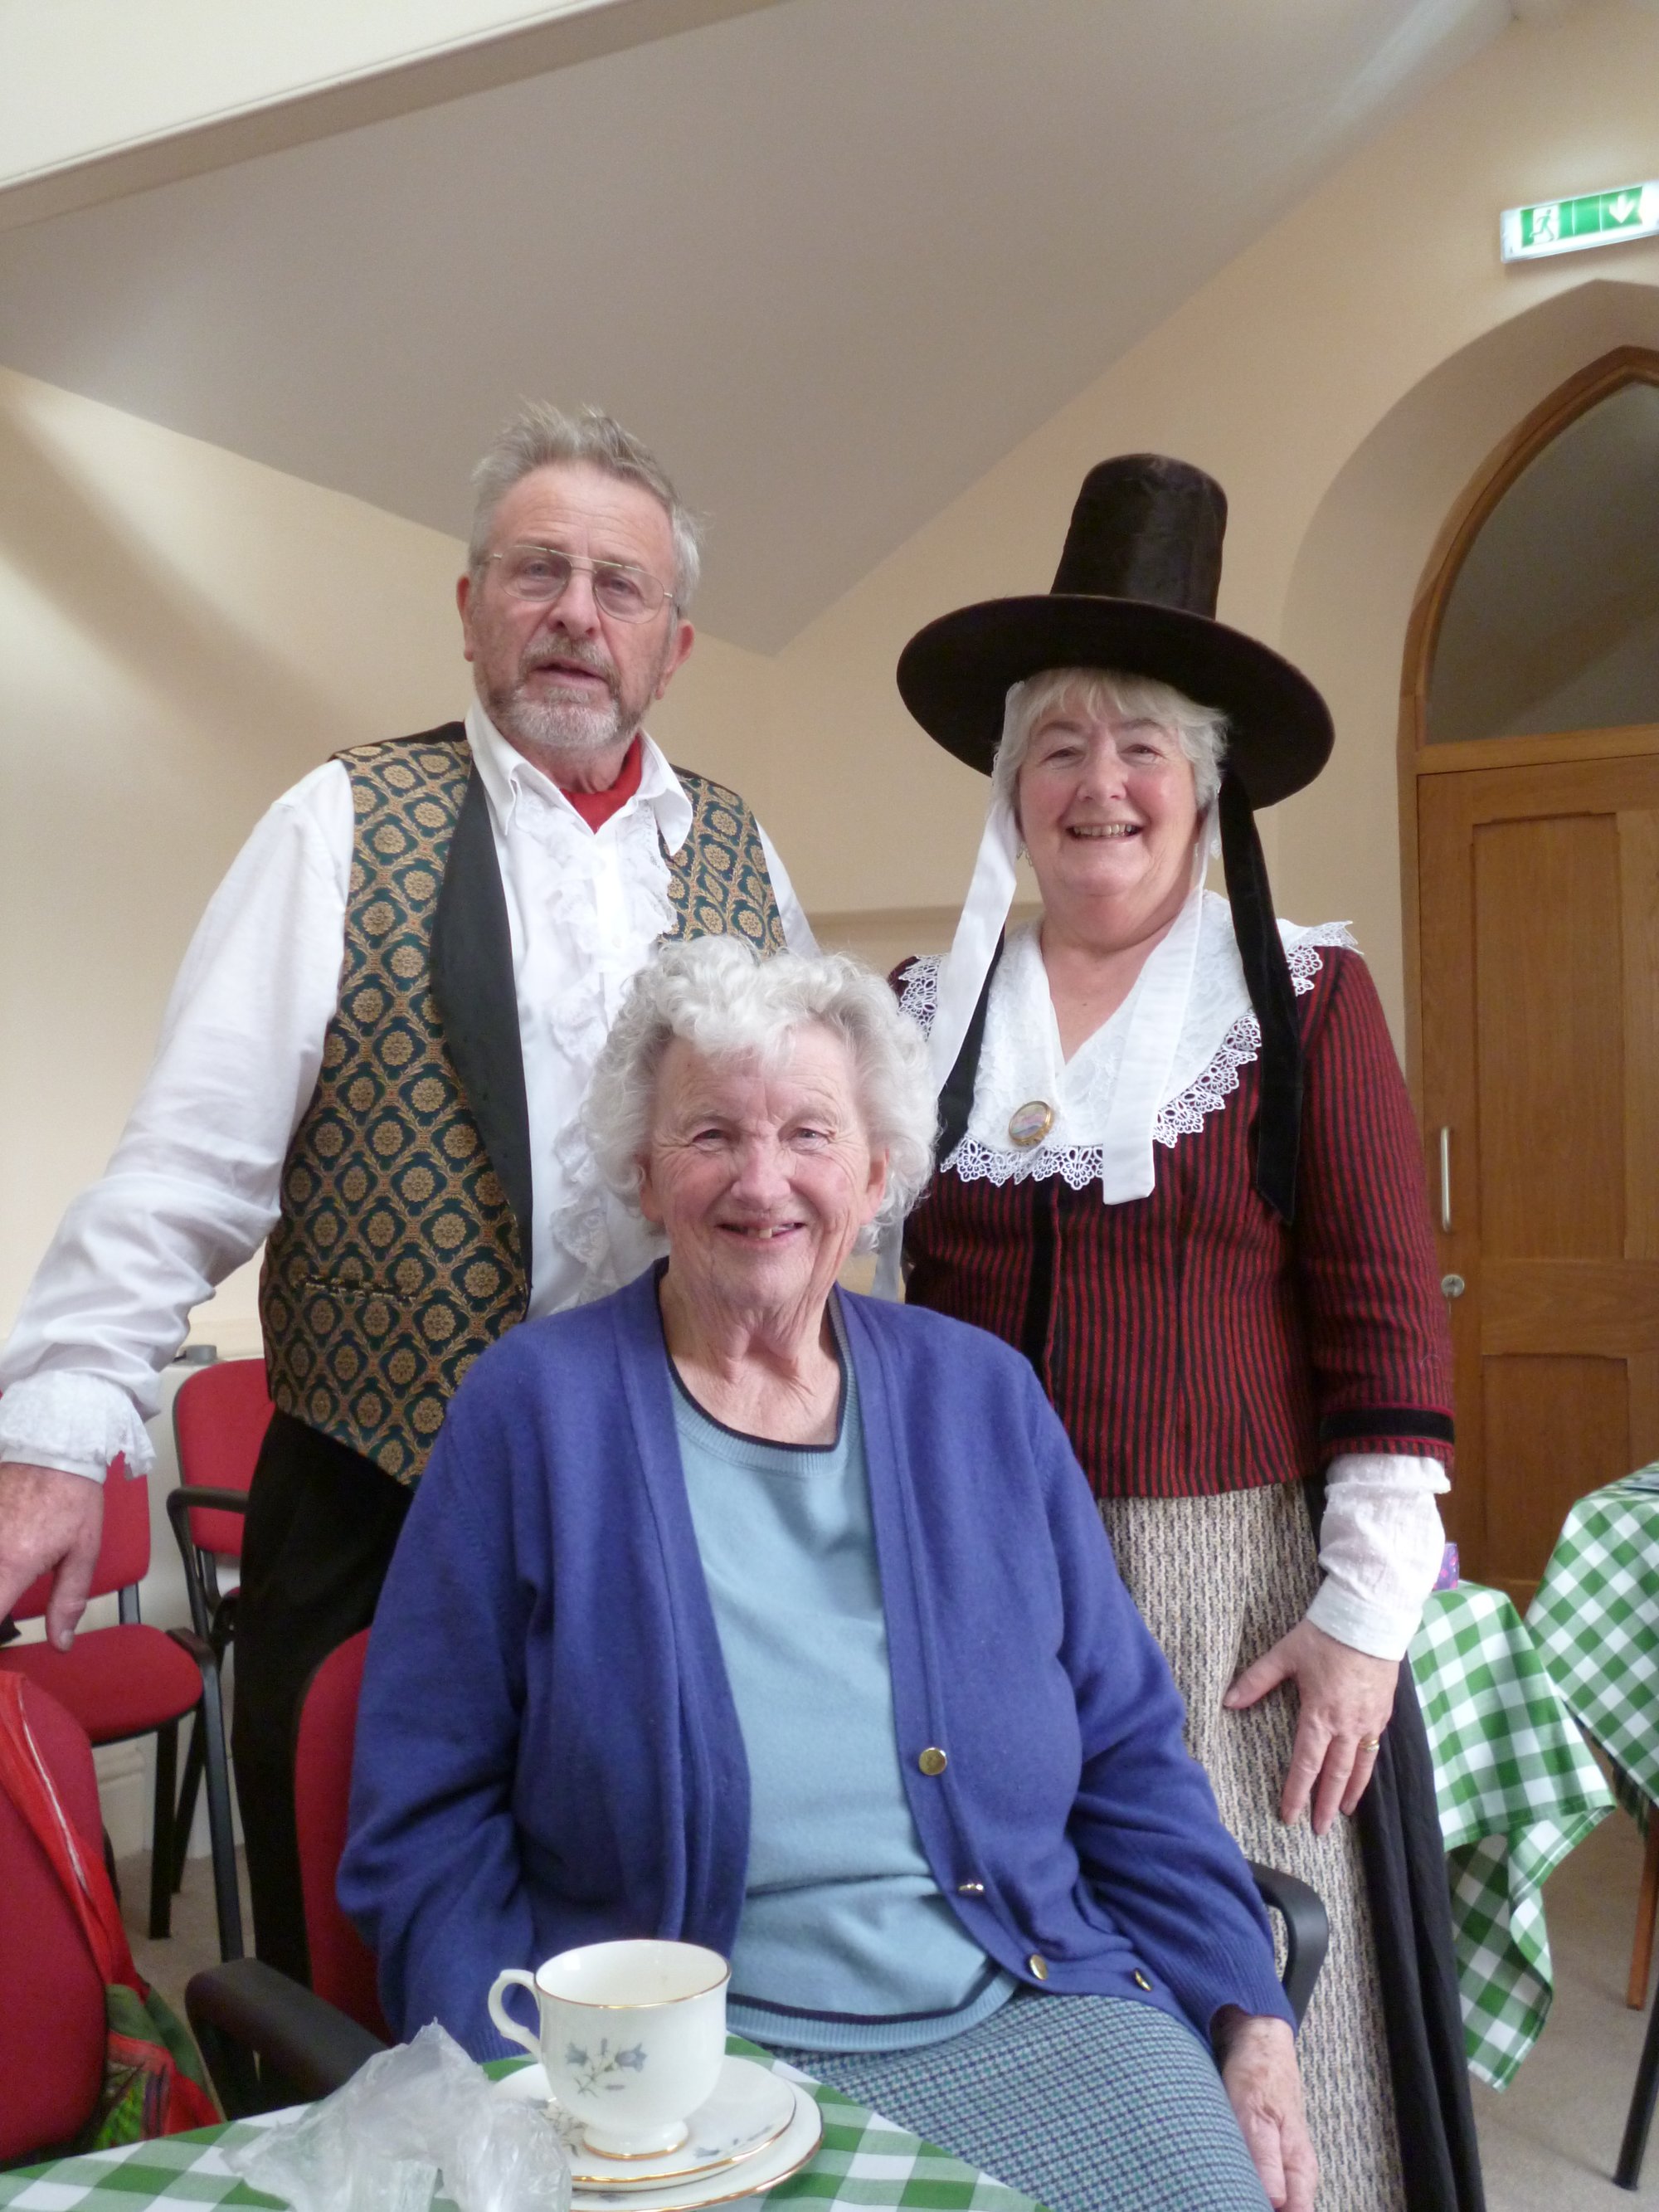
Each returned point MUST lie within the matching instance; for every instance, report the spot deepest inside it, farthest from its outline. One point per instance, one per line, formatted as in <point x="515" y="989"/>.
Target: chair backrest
<point x="342" y="1963"/>
<point x="220" y="1416"/>
<point x="124" y="1554"/>
<point x="52" y="1995"/>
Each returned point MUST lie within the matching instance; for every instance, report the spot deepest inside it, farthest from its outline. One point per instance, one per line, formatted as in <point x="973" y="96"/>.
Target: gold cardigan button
<point x="1039" y="1965"/>
<point x="932" y="1760"/>
<point x="1140" y="1980"/>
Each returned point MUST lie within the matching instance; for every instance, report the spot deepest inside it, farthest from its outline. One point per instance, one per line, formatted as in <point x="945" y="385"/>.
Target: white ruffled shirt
<point x="1168" y="1059"/>
<point x="192" y="1189"/>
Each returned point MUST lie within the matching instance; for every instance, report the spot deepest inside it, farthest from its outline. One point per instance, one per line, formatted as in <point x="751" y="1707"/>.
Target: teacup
<point x="633" y="2035"/>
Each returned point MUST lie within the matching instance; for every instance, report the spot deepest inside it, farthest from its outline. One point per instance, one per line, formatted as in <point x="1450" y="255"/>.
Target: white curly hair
<point x="717" y="995"/>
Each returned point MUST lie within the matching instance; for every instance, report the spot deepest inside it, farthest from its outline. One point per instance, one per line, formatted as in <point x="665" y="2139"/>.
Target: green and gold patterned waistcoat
<point x="400" y="1255"/>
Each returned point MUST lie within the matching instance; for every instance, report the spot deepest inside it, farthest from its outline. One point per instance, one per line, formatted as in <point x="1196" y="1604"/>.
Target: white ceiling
<point x="832" y="260"/>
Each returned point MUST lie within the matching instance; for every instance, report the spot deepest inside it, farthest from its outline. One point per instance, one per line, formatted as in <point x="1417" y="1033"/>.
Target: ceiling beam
<point x="313" y="79"/>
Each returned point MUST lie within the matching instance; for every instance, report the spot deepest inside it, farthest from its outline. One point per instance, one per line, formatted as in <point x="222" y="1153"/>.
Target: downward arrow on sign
<point x="1625" y="207"/>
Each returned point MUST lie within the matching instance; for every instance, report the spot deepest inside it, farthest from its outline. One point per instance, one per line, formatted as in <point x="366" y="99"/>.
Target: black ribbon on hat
<point x="1273" y="996"/>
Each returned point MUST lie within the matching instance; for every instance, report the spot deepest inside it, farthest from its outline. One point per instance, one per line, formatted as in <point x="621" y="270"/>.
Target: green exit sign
<point x="1569" y="226"/>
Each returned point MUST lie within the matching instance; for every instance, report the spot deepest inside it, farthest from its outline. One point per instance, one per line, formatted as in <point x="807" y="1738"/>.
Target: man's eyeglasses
<point x="542" y="574"/>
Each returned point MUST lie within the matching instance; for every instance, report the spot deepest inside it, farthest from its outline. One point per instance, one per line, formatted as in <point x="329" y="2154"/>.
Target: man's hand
<point x="49" y="1519"/>
<point x="1259" y="2073"/>
<point x="1346" y="1700"/>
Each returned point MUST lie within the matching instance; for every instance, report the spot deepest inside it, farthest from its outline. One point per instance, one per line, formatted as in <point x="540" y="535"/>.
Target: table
<point x="863" y="2161"/>
<point x="1518" y="1788"/>
<point x="1595" y="1620"/>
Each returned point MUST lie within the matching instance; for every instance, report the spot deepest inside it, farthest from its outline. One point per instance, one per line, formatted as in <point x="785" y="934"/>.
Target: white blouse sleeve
<point x="1381" y="1547"/>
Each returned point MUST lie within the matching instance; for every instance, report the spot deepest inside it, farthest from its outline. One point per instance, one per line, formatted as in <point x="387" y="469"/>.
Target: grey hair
<point x="714" y="994"/>
<point x="1201" y="730"/>
<point x="539" y="437"/>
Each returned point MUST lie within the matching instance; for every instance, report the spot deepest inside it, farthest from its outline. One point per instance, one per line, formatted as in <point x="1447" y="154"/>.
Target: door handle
<point x="1445" y="1180"/>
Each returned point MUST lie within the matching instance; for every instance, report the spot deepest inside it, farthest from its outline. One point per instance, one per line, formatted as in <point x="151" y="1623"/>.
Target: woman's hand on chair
<point x="1259" y="2073"/>
<point x="1346" y="1700"/>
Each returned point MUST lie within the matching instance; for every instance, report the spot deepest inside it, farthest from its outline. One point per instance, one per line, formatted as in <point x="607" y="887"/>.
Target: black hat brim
<point x="954" y="677"/>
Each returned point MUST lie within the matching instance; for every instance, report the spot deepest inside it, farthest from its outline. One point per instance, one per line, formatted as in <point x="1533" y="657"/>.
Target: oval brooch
<point x="1030" y="1124"/>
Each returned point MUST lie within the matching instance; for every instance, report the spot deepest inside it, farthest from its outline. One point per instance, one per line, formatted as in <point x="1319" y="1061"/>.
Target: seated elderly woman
<point x="736" y="1609"/>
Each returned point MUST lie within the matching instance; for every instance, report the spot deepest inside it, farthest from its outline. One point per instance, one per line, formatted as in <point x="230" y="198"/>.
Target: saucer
<point x="751" y="2110"/>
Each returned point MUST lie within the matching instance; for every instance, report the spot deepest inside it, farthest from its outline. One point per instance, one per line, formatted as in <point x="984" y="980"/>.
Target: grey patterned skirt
<point x="1217" y="1580"/>
<point x="1089" y="2104"/>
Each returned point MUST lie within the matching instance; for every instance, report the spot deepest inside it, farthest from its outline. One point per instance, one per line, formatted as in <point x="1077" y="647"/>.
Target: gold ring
<point x="1371" y="1743"/>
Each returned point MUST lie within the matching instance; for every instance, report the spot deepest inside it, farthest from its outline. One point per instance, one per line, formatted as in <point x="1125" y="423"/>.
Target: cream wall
<point x="182" y="635"/>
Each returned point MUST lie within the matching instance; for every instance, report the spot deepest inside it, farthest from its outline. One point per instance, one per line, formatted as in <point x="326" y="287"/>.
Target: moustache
<point x="571" y="656"/>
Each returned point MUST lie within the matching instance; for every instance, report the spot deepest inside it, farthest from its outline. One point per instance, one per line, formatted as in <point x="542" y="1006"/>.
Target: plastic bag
<point x="410" y="2114"/>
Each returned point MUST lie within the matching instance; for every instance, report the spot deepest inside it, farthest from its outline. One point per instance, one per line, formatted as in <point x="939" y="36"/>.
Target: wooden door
<point x="1539" y="912"/>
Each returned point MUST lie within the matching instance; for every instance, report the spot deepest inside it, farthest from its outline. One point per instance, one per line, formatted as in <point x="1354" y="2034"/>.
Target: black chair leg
<point x="160" y="1853"/>
<point x="1643" y="2099"/>
<point x="231" y="2068"/>
<point x="184" y="1818"/>
<point x="210" y="1727"/>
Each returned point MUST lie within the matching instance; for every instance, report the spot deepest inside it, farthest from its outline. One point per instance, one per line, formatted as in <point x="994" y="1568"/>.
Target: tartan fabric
<point x="1517" y="1790"/>
<point x="396" y="1259"/>
<point x="1192" y="1343"/>
<point x="864" y="2162"/>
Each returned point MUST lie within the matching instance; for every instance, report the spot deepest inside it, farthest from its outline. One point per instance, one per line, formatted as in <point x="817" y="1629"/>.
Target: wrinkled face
<point x="569" y="678"/>
<point x="760" y="1181"/>
<point x="1108" y="810"/>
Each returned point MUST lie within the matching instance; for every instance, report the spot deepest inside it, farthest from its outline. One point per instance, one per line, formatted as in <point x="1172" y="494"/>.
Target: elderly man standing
<point x="373" y="1058"/>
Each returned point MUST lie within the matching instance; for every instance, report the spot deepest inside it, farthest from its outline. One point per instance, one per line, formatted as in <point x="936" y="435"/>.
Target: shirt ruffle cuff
<point x="77" y="1423"/>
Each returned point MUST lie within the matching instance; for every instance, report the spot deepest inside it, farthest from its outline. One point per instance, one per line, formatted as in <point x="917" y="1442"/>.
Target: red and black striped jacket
<point x="1190" y="1341"/>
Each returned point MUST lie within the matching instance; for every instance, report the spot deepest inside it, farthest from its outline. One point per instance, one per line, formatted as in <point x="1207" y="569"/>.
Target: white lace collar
<point x="1168" y="1058"/>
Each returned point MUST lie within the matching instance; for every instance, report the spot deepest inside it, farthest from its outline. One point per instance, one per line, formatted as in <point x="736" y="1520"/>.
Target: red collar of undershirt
<point x="597" y="807"/>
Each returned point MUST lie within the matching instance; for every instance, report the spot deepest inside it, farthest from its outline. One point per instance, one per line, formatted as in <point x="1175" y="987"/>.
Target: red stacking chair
<point x="220" y="1416"/>
<point x="342" y="1965"/>
<point x="51" y="1994"/>
<point x="309" y="2041"/>
<point x="131" y="1680"/>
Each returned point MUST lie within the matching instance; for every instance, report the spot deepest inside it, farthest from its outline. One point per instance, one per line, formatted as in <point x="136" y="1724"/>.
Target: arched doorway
<point x="1529" y="765"/>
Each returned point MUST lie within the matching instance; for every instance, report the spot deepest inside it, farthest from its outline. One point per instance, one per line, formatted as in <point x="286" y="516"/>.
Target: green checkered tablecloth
<point x="1595" y="1620"/>
<point x="1517" y="1789"/>
<point x="863" y="2160"/>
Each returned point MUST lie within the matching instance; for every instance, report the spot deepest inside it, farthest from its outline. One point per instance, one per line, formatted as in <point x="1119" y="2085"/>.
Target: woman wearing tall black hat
<point x="1179" y="1169"/>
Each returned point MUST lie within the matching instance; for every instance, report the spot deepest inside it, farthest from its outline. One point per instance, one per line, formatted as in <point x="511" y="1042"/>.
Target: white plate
<point x="752" y="2133"/>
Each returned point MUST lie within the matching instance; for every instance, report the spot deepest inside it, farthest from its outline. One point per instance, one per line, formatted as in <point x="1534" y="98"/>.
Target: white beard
<point x="564" y="725"/>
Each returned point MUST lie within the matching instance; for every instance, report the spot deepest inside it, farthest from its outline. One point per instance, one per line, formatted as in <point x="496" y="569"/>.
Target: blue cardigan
<point x="548" y="1752"/>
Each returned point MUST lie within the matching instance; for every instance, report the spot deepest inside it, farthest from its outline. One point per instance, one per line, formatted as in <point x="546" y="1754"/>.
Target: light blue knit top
<point x="845" y="1943"/>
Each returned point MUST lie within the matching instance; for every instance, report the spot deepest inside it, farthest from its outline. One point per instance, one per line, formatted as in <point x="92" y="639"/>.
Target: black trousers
<point x="322" y="1522"/>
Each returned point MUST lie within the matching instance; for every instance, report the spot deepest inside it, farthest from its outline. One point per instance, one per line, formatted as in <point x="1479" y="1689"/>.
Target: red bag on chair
<point x="154" y="2084"/>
